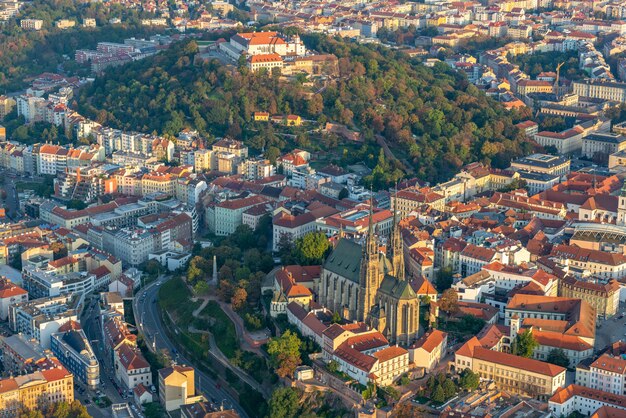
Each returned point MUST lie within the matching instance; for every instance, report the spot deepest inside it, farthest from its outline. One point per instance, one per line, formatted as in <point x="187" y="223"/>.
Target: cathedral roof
<point x="345" y="260"/>
<point x="398" y="289"/>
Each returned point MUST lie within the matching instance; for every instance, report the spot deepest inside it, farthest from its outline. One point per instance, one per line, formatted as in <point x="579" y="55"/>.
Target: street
<point x="611" y="330"/>
<point x="91" y="325"/>
<point x="150" y="325"/>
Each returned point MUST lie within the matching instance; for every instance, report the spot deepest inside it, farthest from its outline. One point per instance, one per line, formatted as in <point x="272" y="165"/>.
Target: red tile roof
<point x="517" y="362"/>
<point x="562" y="395"/>
<point x="430" y="340"/>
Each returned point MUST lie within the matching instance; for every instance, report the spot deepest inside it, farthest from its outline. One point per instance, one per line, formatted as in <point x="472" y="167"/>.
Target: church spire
<point x="371" y="245"/>
<point x="369" y="272"/>
<point x="395" y="250"/>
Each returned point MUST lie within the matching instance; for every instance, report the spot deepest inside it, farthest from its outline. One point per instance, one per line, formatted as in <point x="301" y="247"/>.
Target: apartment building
<point x="40" y="318"/>
<point x="510" y="373"/>
<point x="31" y="24"/>
<point x="21" y="355"/>
<point x="72" y="348"/>
<point x="49" y="283"/>
<point x="6" y="106"/>
<point x="131" y="368"/>
<point x="10" y="293"/>
<point x="606" y="373"/>
<point x="36" y="390"/>
<point x="177" y="387"/>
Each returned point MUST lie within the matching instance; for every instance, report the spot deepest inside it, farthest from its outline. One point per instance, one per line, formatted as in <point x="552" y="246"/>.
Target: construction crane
<point x="558" y="73"/>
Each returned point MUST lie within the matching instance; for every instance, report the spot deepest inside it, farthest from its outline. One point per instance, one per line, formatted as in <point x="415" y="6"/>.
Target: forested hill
<point x="433" y="116"/>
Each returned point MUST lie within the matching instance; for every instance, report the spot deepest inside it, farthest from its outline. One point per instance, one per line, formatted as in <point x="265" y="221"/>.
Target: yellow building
<point x="6" y="105"/>
<point x="510" y="373"/>
<point x="604" y="297"/>
<point x="293" y="120"/>
<point x="36" y="390"/>
<point x="177" y="387"/>
<point x="261" y="116"/>
<point x="157" y="182"/>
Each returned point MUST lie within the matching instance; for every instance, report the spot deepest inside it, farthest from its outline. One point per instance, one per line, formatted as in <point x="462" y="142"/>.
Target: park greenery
<point x="433" y="117"/>
<point x="284" y="353"/>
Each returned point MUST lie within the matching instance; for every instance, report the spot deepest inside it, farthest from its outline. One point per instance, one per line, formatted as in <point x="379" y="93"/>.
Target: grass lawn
<point x="175" y="298"/>
<point x="223" y="329"/>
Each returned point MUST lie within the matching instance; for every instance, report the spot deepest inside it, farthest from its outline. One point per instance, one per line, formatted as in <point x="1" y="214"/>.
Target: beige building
<point x="177" y="387"/>
<point x="6" y="105"/>
<point x="157" y="182"/>
<point x="408" y="200"/>
<point x="202" y="160"/>
<point x="510" y="373"/>
<point x="429" y="349"/>
<point x="600" y="89"/>
<point x="604" y="297"/>
<point x="36" y="390"/>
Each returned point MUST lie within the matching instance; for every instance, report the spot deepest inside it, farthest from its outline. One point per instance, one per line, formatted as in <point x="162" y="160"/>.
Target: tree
<point x="284" y="353"/>
<point x="152" y="268"/>
<point x="336" y="318"/>
<point x="449" y="301"/>
<point x="525" y="343"/>
<point x="154" y="410"/>
<point x="449" y="388"/>
<point x="557" y="356"/>
<point x="311" y="248"/>
<point x="344" y="193"/>
<point x="199" y="268"/>
<point x="201" y="288"/>
<point x="444" y="279"/>
<point x="239" y="298"/>
<point x="284" y="403"/>
<point x="332" y="366"/>
<point x="469" y="380"/>
<point x="76" y="204"/>
<point x="58" y="250"/>
<point x="404" y="380"/>
<point x="438" y="395"/>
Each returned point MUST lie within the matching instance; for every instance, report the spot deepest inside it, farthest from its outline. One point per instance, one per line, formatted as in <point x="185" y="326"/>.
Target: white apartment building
<point x="607" y="373"/>
<point x="131" y="368"/>
<point x="585" y="401"/>
<point x="40" y="318"/>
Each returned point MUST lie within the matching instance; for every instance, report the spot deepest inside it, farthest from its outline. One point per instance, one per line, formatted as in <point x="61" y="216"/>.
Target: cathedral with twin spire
<point x="364" y="284"/>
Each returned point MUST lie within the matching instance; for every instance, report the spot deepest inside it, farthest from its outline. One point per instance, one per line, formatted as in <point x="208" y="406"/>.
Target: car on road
<point x="152" y="389"/>
<point x="154" y="300"/>
<point x="87" y="401"/>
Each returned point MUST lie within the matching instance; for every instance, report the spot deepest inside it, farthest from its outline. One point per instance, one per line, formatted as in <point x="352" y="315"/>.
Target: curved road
<point x="149" y="323"/>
